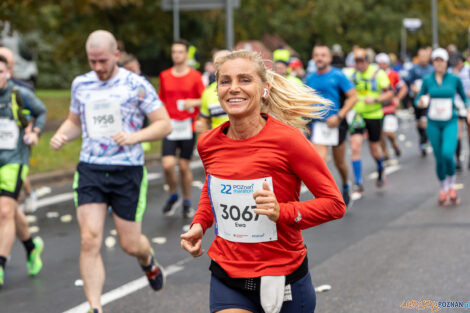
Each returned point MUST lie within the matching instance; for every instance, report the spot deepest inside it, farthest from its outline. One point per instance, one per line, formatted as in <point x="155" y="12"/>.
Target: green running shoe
<point x="34" y="264"/>
<point x="2" y="273"/>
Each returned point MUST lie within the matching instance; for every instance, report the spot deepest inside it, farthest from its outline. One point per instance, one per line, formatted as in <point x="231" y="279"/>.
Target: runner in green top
<point x="16" y="104"/>
<point x="373" y="89"/>
<point x="281" y="68"/>
<point x="211" y="114"/>
<point x="437" y="94"/>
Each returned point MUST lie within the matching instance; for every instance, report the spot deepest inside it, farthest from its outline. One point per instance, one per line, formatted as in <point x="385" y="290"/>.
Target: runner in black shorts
<point x="372" y="127"/>
<point x="415" y="80"/>
<point x="181" y="88"/>
<point x="182" y="148"/>
<point x="111" y="171"/>
<point x="332" y="84"/>
<point x="373" y="87"/>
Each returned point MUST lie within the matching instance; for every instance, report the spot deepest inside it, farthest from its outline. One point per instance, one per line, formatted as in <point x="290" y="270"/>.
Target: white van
<point x="25" y="66"/>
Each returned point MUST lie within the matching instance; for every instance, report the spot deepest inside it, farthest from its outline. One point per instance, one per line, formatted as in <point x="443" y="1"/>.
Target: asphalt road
<point x="393" y="245"/>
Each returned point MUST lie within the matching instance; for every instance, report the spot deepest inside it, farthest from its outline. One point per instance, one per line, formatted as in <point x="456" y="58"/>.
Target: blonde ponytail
<point x="288" y="102"/>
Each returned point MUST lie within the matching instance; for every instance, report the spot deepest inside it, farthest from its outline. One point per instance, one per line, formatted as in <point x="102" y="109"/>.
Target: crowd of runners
<point x="261" y="130"/>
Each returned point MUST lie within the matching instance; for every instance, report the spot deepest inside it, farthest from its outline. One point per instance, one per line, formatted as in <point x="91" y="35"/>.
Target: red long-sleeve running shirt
<point x="283" y="153"/>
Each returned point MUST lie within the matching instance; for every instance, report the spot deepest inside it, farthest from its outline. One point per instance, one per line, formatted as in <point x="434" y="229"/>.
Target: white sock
<point x="451" y="181"/>
<point x="443" y="184"/>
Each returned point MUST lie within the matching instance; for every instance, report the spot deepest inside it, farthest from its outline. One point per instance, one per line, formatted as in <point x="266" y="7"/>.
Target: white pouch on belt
<point x="272" y="293"/>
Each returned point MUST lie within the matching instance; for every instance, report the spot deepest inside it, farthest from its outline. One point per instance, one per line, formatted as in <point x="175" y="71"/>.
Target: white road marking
<point x="33" y="229"/>
<point x="408" y="144"/>
<point x="356" y="196"/>
<point x="159" y="240"/>
<point x="66" y="218"/>
<point x="129" y="288"/>
<point x="31" y="219"/>
<point x="458" y="186"/>
<point x="323" y="288"/>
<point x="153" y="176"/>
<point x="113" y="232"/>
<point x="198" y="184"/>
<point x="42" y="191"/>
<point x="52" y="214"/>
<point x="78" y="283"/>
<point x="401" y="137"/>
<point x="110" y="242"/>
<point x="63" y="197"/>
<point x="388" y="170"/>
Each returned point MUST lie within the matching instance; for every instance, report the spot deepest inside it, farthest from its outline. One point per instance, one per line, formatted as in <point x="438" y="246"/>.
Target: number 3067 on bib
<point x="233" y="207"/>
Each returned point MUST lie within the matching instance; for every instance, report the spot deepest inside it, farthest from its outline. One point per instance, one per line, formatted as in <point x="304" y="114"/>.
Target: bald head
<point x="102" y="53"/>
<point x="8" y="54"/>
<point x="100" y="39"/>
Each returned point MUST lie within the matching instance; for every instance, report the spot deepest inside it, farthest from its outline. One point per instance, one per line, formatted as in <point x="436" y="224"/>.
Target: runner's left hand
<point x="266" y="203"/>
<point x="124" y="139"/>
<point x="30" y="138"/>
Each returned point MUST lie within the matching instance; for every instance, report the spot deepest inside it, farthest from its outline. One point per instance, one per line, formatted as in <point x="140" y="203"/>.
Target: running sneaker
<point x="34" y="263"/>
<point x="188" y="211"/>
<point x="346" y="196"/>
<point x="170" y="206"/>
<point x="442" y="198"/>
<point x="155" y="275"/>
<point x="453" y="197"/>
<point x="30" y="203"/>
<point x="2" y="274"/>
<point x="397" y="152"/>
<point x="358" y="189"/>
<point x="93" y="311"/>
<point x="380" y="182"/>
<point x="423" y="149"/>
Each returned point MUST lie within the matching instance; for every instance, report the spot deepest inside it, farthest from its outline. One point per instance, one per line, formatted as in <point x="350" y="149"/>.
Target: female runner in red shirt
<point x="254" y="166"/>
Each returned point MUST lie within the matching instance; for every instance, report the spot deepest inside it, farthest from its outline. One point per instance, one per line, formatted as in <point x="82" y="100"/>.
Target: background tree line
<point x="57" y="29"/>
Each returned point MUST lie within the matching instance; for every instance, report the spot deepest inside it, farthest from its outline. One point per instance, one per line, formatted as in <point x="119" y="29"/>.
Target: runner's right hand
<point x="333" y="121"/>
<point x="57" y="141"/>
<point x="191" y="241"/>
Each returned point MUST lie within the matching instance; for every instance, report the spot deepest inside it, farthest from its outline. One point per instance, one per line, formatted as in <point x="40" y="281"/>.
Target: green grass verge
<point x="57" y="103"/>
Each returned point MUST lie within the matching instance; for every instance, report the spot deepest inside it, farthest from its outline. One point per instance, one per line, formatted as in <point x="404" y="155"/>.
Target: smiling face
<point x="240" y="88"/>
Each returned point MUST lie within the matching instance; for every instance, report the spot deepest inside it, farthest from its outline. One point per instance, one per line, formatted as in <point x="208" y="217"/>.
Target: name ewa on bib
<point x="233" y="208"/>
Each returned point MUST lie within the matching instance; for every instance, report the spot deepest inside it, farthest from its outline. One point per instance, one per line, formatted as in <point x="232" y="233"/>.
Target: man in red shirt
<point x="400" y="90"/>
<point x="181" y="88"/>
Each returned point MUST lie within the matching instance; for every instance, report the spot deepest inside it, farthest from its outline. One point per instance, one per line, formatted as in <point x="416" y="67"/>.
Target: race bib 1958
<point x="233" y="207"/>
<point x="103" y="118"/>
<point x="9" y="133"/>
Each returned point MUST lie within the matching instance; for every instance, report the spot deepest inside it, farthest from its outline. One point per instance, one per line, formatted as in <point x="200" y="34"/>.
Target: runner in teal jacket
<point x="437" y="94"/>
